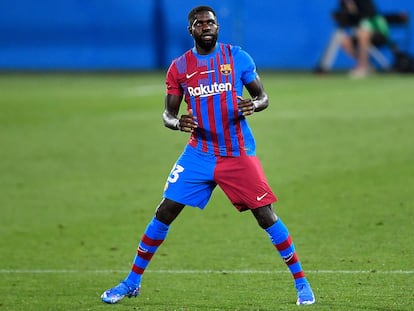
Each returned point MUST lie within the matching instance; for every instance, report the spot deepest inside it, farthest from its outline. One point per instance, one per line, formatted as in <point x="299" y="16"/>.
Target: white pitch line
<point x="146" y="90"/>
<point x="63" y="271"/>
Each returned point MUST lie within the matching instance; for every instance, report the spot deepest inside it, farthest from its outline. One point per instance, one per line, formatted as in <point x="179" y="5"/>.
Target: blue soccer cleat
<point x="118" y="292"/>
<point x="305" y="295"/>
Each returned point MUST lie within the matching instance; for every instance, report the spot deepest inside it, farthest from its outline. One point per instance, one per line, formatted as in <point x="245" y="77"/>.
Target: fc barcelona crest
<point x="225" y="69"/>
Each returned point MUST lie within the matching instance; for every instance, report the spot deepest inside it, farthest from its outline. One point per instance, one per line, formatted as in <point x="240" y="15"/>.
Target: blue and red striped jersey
<point x="210" y="85"/>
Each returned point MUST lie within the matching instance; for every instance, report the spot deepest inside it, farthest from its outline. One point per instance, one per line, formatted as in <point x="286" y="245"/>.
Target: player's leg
<point x="154" y="234"/>
<point x="243" y="181"/>
<point x="281" y="239"/>
<point x="190" y="182"/>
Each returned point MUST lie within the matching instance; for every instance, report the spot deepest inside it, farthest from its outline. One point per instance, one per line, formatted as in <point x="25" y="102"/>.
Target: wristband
<point x="171" y="121"/>
<point x="255" y="104"/>
<point x="177" y="124"/>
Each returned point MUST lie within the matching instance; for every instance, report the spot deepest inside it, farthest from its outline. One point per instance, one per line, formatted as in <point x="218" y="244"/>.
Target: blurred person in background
<point x="371" y="29"/>
<point x="221" y="150"/>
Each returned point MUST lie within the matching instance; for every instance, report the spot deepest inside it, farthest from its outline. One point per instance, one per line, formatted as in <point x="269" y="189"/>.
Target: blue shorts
<point x="196" y="174"/>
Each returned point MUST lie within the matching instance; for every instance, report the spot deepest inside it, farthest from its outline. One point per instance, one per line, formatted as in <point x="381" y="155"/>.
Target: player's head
<point x="193" y="13"/>
<point x="203" y="27"/>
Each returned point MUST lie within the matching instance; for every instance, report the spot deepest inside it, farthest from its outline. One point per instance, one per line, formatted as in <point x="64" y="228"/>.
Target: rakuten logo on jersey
<point x="209" y="90"/>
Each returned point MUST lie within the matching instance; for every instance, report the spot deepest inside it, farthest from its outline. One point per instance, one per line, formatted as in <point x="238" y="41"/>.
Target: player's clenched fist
<point x="188" y="122"/>
<point x="246" y="106"/>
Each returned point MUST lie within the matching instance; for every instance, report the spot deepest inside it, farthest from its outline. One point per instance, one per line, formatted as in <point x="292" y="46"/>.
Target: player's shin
<point x="281" y="239"/>
<point x="154" y="235"/>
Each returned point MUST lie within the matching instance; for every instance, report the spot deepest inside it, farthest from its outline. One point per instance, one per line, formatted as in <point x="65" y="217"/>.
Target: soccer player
<point x="221" y="149"/>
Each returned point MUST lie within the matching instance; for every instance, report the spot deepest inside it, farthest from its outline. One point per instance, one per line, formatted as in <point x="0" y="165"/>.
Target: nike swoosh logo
<point x="212" y="94"/>
<point x="188" y="76"/>
<point x="261" y="197"/>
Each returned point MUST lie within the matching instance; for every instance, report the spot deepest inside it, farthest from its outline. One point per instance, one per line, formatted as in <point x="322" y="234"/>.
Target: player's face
<point x="205" y="31"/>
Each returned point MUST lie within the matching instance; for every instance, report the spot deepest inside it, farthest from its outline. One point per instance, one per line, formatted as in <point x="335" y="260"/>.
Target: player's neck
<point x="202" y="51"/>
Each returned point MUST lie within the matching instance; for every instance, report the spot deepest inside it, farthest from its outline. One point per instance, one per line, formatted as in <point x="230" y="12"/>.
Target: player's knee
<point x="265" y="216"/>
<point x="168" y="210"/>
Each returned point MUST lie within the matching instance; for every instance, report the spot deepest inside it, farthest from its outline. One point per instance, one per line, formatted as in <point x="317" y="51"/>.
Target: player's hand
<point x="246" y="106"/>
<point x="188" y="122"/>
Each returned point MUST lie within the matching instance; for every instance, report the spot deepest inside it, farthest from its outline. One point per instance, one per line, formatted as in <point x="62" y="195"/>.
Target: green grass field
<point x="84" y="159"/>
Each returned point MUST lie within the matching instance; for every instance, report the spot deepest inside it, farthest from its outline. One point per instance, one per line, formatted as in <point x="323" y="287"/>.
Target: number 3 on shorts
<point x="177" y="169"/>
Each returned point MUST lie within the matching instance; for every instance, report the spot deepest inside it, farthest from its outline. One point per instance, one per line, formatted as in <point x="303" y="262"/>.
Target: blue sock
<point x="154" y="235"/>
<point x="282" y="241"/>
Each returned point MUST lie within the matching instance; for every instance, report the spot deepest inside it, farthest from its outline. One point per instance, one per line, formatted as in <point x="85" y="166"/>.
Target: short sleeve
<point x="248" y="67"/>
<point x="173" y="86"/>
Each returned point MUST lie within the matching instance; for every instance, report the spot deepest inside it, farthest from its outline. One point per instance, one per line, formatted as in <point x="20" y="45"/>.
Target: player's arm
<point x="172" y="107"/>
<point x="185" y="123"/>
<point x="258" y="101"/>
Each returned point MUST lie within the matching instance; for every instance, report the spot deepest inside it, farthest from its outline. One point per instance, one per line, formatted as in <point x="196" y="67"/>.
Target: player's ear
<point x="190" y="31"/>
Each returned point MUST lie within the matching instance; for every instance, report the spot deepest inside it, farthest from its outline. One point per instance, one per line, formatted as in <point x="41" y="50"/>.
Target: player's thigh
<point x="244" y="182"/>
<point x="191" y="180"/>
